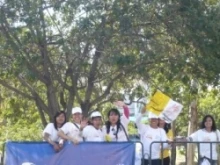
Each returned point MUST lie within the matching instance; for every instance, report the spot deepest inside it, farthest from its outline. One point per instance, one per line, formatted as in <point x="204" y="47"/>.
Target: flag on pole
<point x="163" y="106"/>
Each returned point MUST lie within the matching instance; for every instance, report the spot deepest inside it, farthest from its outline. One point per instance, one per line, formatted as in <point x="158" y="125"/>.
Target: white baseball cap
<point x="152" y="115"/>
<point x="95" y="114"/>
<point x="76" y="110"/>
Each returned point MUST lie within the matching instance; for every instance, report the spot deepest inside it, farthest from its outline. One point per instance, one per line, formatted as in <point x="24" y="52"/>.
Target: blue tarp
<point x="88" y="153"/>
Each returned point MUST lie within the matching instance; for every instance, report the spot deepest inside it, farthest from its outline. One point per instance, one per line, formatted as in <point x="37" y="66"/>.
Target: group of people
<point x="116" y="129"/>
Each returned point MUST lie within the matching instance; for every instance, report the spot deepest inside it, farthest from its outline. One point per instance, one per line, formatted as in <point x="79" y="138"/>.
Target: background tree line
<point x="58" y="54"/>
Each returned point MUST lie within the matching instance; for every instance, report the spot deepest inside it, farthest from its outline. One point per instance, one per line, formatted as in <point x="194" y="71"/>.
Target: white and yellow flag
<point x="163" y="106"/>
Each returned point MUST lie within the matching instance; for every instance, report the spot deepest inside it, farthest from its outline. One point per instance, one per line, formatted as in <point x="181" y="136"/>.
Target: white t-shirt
<point x="90" y="133"/>
<point x="121" y="132"/>
<point x="50" y="129"/>
<point x="72" y="131"/>
<point x="203" y="135"/>
<point x="149" y="135"/>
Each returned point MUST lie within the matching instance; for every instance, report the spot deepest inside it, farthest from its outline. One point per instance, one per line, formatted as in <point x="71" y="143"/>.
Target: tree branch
<point x="42" y="116"/>
<point x="75" y="76"/>
<point x="6" y="85"/>
<point x="91" y="76"/>
<point x="18" y="47"/>
<point x="107" y="90"/>
<point x="35" y="95"/>
<point x="111" y="83"/>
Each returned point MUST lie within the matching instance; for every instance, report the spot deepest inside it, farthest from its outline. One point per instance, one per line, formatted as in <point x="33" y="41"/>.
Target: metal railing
<point x="184" y="143"/>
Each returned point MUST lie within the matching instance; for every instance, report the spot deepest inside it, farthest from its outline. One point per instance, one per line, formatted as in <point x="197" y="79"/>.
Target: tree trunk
<point x="85" y="108"/>
<point x="173" y="150"/>
<point x="192" y="127"/>
<point x="69" y="104"/>
<point x="53" y="104"/>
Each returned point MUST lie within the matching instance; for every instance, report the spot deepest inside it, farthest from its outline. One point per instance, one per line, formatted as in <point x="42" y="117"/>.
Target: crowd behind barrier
<point x="86" y="153"/>
<point x="156" y="139"/>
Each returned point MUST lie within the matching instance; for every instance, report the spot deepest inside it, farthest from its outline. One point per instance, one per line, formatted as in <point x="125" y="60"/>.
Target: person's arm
<point x="47" y="137"/>
<point x="126" y="111"/>
<point x="164" y="138"/>
<point x="140" y="126"/>
<point x="193" y="137"/>
<point x="63" y="134"/>
<point x="218" y="135"/>
<point x="54" y="144"/>
<point x="83" y="124"/>
<point x="125" y="116"/>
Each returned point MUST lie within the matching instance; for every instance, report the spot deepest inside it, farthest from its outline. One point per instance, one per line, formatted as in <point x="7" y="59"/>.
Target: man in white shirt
<point x="93" y="132"/>
<point x="150" y="133"/>
<point x="72" y="131"/>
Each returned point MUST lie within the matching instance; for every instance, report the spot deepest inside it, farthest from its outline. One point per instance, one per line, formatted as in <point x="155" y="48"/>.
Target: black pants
<point x="166" y="161"/>
<point x="153" y="162"/>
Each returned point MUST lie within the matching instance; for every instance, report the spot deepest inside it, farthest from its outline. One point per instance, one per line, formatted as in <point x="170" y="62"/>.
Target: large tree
<point x="66" y="53"/>
<point x="76" y="52"/>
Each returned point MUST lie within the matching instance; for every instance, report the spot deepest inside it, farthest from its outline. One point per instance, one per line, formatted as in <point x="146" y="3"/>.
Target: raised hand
<point x="119" y="104"/>
<point x="56" y="147"/>
<point x="61" y="143"/>
<point x="84" y="123"/>
<point x="75" y="141"/>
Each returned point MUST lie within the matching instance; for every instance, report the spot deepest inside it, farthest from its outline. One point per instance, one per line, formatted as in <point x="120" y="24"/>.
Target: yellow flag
<point x="163" y="106"/>
<point x="157" y="103"/>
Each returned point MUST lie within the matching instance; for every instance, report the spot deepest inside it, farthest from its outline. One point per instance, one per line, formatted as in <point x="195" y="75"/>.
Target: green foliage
<point x="59" y="54"/>
<point x="19" y="119"/>
<point x="209" y="104"/>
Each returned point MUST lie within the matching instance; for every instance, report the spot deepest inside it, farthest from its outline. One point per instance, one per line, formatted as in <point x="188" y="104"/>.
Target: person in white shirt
<point x="148" y="134"/>
<point x="116" y="127"/>
<point x="93" y="132"/>
<point x="71" y="131"/>
<point x="50" y="133"/>
<point x="207" y="133"/>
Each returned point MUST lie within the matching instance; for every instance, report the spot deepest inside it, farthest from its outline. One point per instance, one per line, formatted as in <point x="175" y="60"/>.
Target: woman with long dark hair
<point x="208" y="133"/>
<point x="50" y="133"/>
<point x="115" y="128"/>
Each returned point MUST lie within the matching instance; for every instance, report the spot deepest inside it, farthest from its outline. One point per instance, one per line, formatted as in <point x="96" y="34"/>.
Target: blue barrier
<point x="87" y="153"/>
